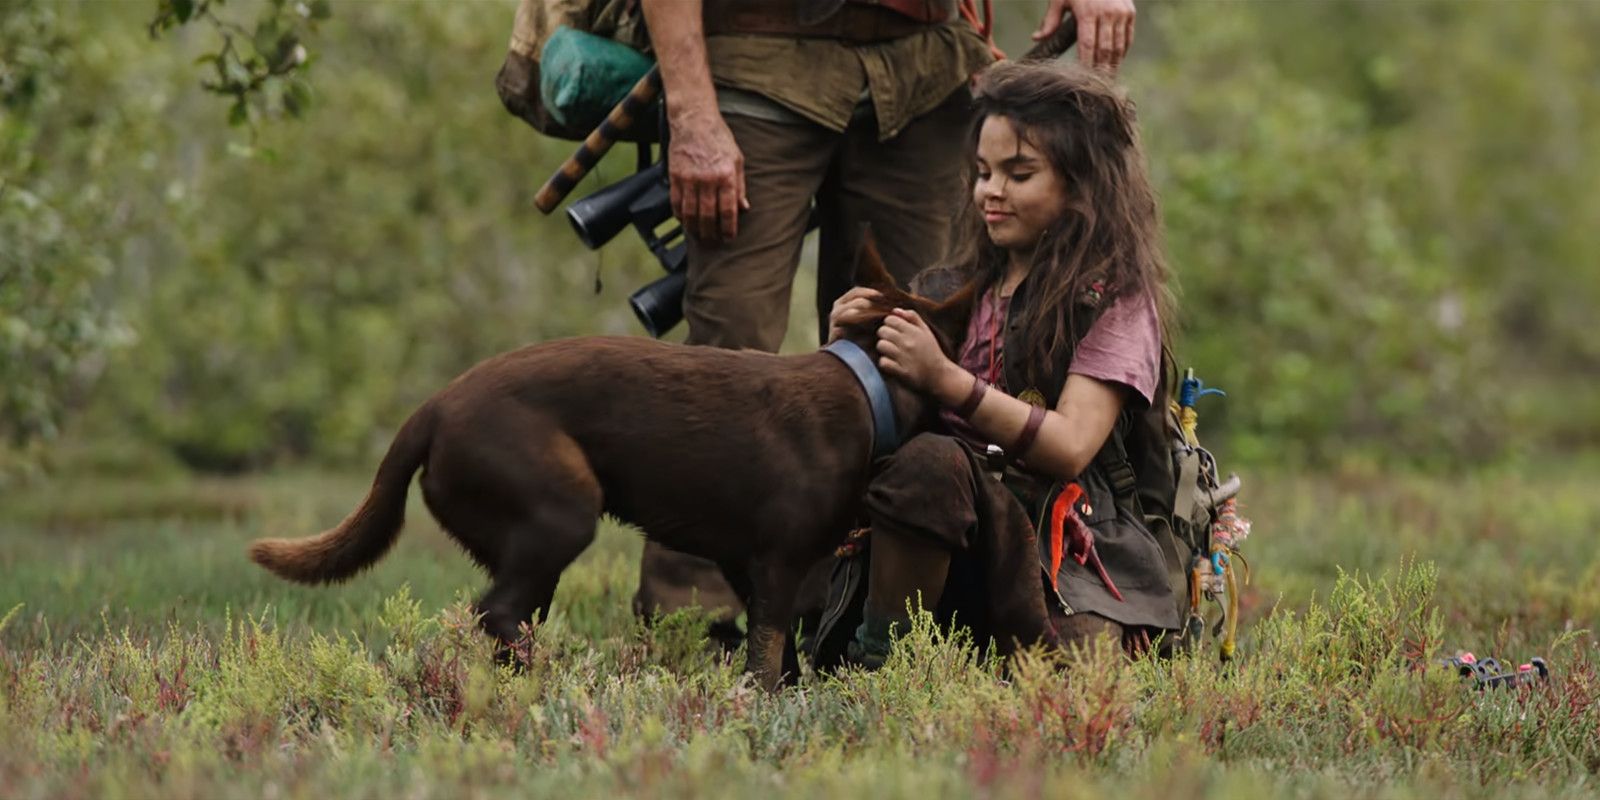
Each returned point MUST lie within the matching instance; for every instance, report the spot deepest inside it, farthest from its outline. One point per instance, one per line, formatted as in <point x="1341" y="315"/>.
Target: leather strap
<point x="1113" y="462"/>
<point x="932" y="12"/>
<point x="1030" y="431"/>
<point x="885" y="433"/>
<point x="853" y="22"/>
<point x="970" y="405"/>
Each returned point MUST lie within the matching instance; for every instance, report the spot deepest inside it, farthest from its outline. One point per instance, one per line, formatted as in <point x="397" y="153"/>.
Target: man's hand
<point x="1105" y="29"/>
<point x="705" y="171"/>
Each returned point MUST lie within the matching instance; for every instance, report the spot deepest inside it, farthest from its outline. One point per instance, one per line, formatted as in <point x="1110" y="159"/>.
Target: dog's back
<point x="704" y="449"/>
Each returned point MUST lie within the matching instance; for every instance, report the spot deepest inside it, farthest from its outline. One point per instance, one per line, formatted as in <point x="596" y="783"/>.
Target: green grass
<point x="142" y="655"/>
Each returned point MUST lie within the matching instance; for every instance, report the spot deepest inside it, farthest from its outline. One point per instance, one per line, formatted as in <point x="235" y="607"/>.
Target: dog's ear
<point x="950" y="316"/>
<point x="869" y="270"/>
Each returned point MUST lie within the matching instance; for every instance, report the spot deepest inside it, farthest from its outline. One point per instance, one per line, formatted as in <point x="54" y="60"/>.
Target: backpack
<point x="1192" y="512"/>
<point x="570" y="61"/>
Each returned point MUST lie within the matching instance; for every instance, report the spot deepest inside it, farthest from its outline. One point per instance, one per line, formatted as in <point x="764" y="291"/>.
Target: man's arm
<point x="704" y="165"/>
<point x="1105" y="29"/>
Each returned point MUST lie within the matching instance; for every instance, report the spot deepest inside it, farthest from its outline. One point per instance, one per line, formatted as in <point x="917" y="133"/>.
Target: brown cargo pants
<point x="908" y="188"/>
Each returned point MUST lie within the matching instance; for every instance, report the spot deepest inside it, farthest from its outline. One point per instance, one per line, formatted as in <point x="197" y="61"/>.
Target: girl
<point x="1061" y="362"/>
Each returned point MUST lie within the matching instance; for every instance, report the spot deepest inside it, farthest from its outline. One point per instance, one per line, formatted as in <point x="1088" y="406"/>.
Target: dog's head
<point x="947" y="318"/>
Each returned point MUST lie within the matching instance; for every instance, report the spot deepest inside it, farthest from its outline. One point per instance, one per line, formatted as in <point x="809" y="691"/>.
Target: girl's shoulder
<point x="1123" y="345"/>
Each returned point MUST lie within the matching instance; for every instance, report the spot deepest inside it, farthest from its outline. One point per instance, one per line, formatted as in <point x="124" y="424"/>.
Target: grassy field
<point x="141" y="655"/>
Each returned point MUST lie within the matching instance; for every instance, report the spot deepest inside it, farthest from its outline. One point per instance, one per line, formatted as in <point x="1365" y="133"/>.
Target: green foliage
<point x="356" y="263"/>
<point x="262" y="80"/>
<point x="129" y="670"/>
<point x="1379" y="224"/>
<point x="1313" y="699"/>
<point x="55" y="216"/>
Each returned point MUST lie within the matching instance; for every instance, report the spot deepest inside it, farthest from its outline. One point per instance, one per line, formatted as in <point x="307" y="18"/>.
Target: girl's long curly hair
<point x="1110" y="233"/>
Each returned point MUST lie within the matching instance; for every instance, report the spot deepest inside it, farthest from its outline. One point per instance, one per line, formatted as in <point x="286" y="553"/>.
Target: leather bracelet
<point x="1030" y="431"/>
<point x="970" y="405"/>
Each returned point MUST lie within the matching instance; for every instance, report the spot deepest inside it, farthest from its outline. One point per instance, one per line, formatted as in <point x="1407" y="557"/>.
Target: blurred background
<point x="1383" y="218"/>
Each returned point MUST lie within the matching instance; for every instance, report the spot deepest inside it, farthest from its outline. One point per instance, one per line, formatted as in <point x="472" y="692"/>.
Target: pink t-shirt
<point x="1122" y="346"/>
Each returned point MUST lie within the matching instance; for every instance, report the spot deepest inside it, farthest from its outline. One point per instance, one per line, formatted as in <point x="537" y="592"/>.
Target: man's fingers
<point x="1119" y="41"/>
<point x="689" y="208"/>
<point x="728" y="210"/>
<point x="1051" y="21"/>
<point x="744" y="199"/>
<point x="1105" y="44"/>
<point x="1086" y="41"/>
<point x="706" y="219"/>
<point x="675" y="197"/>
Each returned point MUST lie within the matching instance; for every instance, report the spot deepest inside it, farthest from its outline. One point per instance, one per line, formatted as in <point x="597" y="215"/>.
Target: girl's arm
<point x="1066" y="439"/>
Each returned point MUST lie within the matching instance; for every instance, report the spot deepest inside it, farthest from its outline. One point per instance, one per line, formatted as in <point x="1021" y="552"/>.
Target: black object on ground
<point x="1489" y="673"/>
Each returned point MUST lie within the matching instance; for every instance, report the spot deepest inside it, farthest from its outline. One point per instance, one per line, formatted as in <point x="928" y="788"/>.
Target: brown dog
<point x="755" y="461"/>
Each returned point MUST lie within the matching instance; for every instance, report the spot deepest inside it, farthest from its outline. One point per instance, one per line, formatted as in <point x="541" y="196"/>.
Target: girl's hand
<point x="854" y="308"/>
<point x="908" y="350"/>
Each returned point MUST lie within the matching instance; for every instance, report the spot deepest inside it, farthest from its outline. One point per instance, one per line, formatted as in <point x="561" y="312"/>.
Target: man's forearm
<point x="677" y="34"/>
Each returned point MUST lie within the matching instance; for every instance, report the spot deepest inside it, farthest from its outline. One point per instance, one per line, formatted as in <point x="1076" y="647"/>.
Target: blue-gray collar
<point x="885" y="434"/>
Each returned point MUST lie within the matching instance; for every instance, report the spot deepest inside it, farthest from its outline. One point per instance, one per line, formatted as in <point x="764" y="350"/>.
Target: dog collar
<point x="885" y="434"/>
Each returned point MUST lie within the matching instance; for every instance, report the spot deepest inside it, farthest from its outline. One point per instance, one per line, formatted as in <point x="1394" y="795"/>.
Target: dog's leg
<point x="502" y="617"/>
<point x="530" y="565"/>
<point x="522" y="498"/>
<point x="773" y="583"/>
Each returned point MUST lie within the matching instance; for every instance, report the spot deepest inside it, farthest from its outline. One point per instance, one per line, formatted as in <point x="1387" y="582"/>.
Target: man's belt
<point x="853" y="22"/>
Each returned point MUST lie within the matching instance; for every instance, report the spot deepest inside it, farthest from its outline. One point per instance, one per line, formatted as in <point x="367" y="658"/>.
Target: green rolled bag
<point x="584" y="75"/>
<point x="570" y="61"/>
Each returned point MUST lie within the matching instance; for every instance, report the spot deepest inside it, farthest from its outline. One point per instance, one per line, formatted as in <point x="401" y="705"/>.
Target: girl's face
<point x="1018" y="192"/>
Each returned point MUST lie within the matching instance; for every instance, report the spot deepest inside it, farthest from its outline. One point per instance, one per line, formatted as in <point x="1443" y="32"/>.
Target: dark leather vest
<point x="1015" y="369"/>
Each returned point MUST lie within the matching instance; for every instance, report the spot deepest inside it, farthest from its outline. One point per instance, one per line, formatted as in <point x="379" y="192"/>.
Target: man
<point x="859" y="107"/>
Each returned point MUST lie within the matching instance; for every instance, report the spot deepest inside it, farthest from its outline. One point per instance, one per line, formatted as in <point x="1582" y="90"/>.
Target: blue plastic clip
<point x="1193" y="389"/>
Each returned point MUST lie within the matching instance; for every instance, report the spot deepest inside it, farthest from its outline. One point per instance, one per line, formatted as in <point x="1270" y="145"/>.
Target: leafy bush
<point x="1348" y="688"/>
<point x="56" y="215"/>
<point x="1379" y="227"/>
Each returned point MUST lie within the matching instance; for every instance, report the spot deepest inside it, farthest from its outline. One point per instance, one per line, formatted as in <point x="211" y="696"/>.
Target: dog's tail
<point x="370" y="530"/>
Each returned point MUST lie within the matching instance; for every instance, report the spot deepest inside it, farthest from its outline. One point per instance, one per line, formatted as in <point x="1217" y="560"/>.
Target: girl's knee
<point x="929" y="460"/>
<point x="926" y="489"/>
